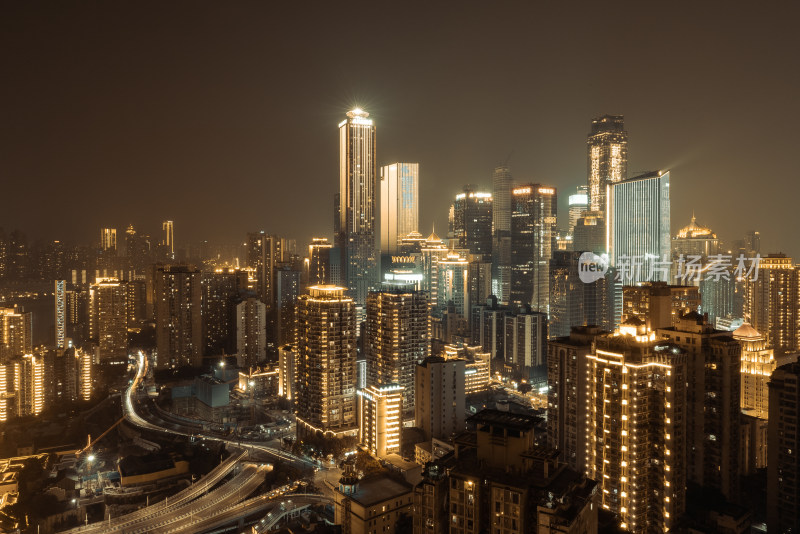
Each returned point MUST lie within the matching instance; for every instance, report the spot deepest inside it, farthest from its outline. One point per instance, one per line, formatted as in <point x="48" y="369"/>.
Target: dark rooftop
<point x="504" y="419"/>
<point x="379" y="488"/>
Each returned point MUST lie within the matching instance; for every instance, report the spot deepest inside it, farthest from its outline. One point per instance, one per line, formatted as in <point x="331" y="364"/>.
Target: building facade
<point x="355" y="215"/>
<point x="326" y="361"/>
<point x="399" y="204"/>
<point x="607" y="157"/>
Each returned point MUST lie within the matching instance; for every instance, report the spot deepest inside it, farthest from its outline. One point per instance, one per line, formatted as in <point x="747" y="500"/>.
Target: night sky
<point x="223" y="115"/>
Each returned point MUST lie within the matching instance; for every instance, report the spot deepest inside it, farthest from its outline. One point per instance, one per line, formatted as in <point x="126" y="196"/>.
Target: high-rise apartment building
<point x="568" y="394"/>
<point x="16" y="332"/>
<point x="533" y="236"/>
<point x="502" y="183"/>
<point x="758" y="363"/>
<point x="108" y="239"/>
<point x="261" y="257"/>
<point x="636" y="429"/>
<point x="440" y="397"/>
<point x="326" y="361"/>
<point x="504" y="480"/>
<point x="168" y="241"/>
<point x="574" y="302"/>
<point x="251" y="330"/>
<point x="658" y="304"/>
<point x="380" y="418"/>
<point x="319" y="262"/>
<point x="783" y="445"/>
<point x="108" y="319"/>
<point x="177" y="297"/>
<point x="399" y="204"/>
<point x="488" y="327"/>
<point x="29" y="384"/>
<point x="638" y="233"/>
<point x="526" y="346"/>
<point x="771" y="302"/>
<point x="396" y="338"/>
<point x="356" y="209"/>
<point x="471" y="221"/>
<point x="287" y="291"/>
<point x="452" y="283"/>
<point x="219" y="291"/>
<point x="60" y="295"/>
<point x="607" y="157"/>
<point x="712" y="402"/>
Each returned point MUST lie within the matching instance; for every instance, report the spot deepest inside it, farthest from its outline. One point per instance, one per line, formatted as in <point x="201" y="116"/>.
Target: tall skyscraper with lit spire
<point x="355" y="210"/>
<point x="607" y="157"/>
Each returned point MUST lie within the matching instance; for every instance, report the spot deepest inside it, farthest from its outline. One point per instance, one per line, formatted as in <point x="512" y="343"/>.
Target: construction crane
<point x="90" y="443"/>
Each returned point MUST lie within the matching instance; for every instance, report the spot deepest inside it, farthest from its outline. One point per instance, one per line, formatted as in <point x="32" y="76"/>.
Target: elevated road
<point x="131" y="399"/>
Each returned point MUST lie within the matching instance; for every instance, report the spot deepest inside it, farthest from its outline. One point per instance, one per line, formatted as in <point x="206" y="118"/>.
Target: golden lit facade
<point x="771" y="302"/>
<point x="6" y="397"/>
<point x="287" y="367"/>
<point x="326" y="360"/>
<point x="380" y="418"/>
<point x="29" y="384"/>
<point x="607" y="157"/>
<point x="635" y="431"/>
<point x="168" y="227"/>
<point x="658" y="304"/>
<point x="758" y="363"/>
<point x="15" y="332"/>
<point x="108" y="239"/>
<point x="83" y="360"/>
<point x="396" y="338"/>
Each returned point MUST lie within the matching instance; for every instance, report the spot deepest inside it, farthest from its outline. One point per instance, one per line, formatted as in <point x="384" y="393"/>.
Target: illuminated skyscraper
<point x="16" y="332"/>
<point x="452" y="284"/>
<point x="168" y="242"/>
<point x="578" y="204"/>
<point x="287" y="372"/>
<point x="178" y="309"/>
<point x="399" y="204"/>
<point x="396" y="338"/>
<point x="319" y="262"/>
<point x="771" y="302"/>
<point x="108" y="319"/>
<point x="638" y="227"/>
<point x="712" y="402"/>
<point x="380" y="418"/>
<point x="259" y="258"/>
<point x="326" y="361"/>
<point x="108" y="239"/>
<point x="607" y="157"/>
<point x="567" y="394"/>
<point x="357" y="204"/>
<point x="533" y="236"/>
<point x="287" y="291"/>
<point x="471" y="221"/>
<point x="501" y="244"/>
<point x="758" y="363"/>
<point x="251" y="331"/>
<point x="636" y="428"/>
<point x="29" y="384"/>
<point x="61" y="312"/>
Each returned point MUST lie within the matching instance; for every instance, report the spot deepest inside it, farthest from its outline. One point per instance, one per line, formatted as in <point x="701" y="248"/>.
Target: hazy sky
<point x="223" y="115"/>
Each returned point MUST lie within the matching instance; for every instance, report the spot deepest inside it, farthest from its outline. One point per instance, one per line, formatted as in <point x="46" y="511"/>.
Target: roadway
<point x="129" y="410"/>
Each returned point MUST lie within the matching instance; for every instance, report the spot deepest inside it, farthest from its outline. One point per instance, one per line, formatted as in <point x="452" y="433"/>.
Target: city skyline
<point x="177" y="136"/>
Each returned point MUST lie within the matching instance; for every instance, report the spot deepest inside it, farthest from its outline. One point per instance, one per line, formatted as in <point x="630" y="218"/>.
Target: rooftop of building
<point x="746" y="331"/>
<point x="379" y="488"/>
<point x="506" y="420"/>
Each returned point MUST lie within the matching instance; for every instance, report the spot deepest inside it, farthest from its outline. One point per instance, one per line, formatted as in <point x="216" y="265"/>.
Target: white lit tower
<point x="355" y="210"/>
